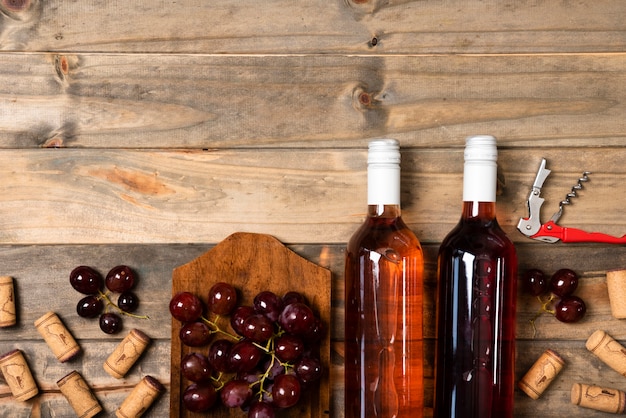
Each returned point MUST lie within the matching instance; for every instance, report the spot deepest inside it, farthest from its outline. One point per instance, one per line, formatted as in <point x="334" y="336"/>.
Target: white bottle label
<point x="383" y="172"/>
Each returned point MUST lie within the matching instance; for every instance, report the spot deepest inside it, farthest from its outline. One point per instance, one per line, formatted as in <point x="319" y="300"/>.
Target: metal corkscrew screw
<point x="572" y="194"/>
<point x="577" y="186"/>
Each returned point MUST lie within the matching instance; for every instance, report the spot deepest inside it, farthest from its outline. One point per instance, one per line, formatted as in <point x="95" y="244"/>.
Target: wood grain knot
<point x="365" y="99"/>
<point x="63" y="66"/>
<point x="54" y="142"/>
<point x="362" y="100"/>
<point x="144" y="183"/>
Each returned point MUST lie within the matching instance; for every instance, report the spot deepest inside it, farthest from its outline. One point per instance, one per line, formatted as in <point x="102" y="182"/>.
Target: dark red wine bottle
<point x="476" y="300"/>
<point x="383" y="295"/>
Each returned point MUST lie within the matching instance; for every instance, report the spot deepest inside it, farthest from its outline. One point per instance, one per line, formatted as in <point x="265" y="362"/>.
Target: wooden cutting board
<point x="252" y="263"/>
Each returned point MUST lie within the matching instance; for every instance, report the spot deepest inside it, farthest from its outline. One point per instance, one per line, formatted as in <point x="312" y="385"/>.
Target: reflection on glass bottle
<point x="383" y="322"/>
<point x="477" y="270"/>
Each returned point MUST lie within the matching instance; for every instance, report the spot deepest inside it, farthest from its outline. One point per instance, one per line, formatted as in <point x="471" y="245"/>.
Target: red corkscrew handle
<point x="551" y="229"/>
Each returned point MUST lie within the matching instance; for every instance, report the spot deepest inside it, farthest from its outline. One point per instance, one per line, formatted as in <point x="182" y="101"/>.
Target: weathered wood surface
<point x="309" y="101"/>
<point x="320" y="26"/>
<point x="300" y="196"/>
<point x="181" y="122"/>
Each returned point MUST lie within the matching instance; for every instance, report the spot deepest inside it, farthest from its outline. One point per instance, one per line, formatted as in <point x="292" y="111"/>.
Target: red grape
<point x="570" y="309"/>
<point x="222" y="298"/>
<point x="564" y="282"/>
<point x="308" y="369"/>
<point x="199" y="397"/>
<point x="128" y="301"/>
<point x="268" y="304"/>
<point x="315" y="333"/>
<point x="195" y="367"/>
<point x="195" y="334"/>
<point x="236" y="393"/>
<point x="239" y="316"/>
<point x="288" y="347"/>
<point x="86" y="280"/>
<point x="293" y="297"/>
<point x="536" y="282"/>
<point x="285" y="391"/>
<point x="120" y="278"/>
<point x="185" y="306"/>
<point x="110" y="323"/>
<point x="244" y="356"/>
<point x="297" y="318"/>
<point x="261" y="410"/>
<point x="258" y="328"/>
<point x="90" y="306"/>
<point x="219" y="354"/>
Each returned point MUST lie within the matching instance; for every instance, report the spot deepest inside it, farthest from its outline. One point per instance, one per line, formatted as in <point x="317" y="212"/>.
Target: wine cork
<point x="57" y="336"/>
<point x="616" y="285"/>
<point x="608" y="350"/>
<point x="79" y="395"/>
<point x="18" y="376"/>
<point x="541" y="374"/>
<point x="126" y="353"/>
<point x="8" y="316"/>
<point x="140" y="399"/>
<point x="598" y="398"/>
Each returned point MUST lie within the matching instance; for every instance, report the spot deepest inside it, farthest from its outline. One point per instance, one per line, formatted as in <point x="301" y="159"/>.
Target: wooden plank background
<point x="145" y="132"/>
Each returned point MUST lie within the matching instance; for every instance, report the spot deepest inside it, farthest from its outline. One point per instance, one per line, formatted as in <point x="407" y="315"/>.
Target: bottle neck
<point x="479" y="211"/>
<point x="479" y="190"/>
<point x="383" y="178"/>
<point x="383" y="211"/>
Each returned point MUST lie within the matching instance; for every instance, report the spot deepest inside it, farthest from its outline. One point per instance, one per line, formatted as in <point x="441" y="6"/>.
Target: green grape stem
<point x="261" y="381"/>
<point x="218" y="381"/>
<point x="269" y="349"/>
<point x="216" y="329"/>
<point x="109" y="302"/>
<point x="543" y="309"/>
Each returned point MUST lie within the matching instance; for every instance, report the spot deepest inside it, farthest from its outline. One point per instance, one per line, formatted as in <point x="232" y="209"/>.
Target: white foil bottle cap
<point x="383" y="151"/>
<point x="480" y="169"/>
<point x="481" y="148"/>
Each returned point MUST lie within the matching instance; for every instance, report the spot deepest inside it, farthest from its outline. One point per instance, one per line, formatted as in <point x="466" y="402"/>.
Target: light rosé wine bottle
<point x="384" y="268"/>
<point x="476" y="301"/>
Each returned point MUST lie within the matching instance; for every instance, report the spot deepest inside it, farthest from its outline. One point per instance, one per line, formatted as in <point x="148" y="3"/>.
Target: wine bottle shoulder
<point x="376" y="233"/>
<point x="477" y="238"/>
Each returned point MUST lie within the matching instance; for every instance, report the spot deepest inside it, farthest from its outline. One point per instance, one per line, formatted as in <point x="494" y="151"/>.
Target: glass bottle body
<point x="383" y="318"/>
<point x="477" y="286"/>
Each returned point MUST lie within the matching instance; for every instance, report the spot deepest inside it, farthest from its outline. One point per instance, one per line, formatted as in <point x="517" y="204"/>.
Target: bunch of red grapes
<point x="556" y="294"/>
<point x="120" y="280"/>
<point x="272" y="356"/>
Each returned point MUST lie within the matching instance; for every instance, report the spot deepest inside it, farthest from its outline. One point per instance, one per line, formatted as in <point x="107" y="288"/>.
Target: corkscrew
<point x="550" y="231"/>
